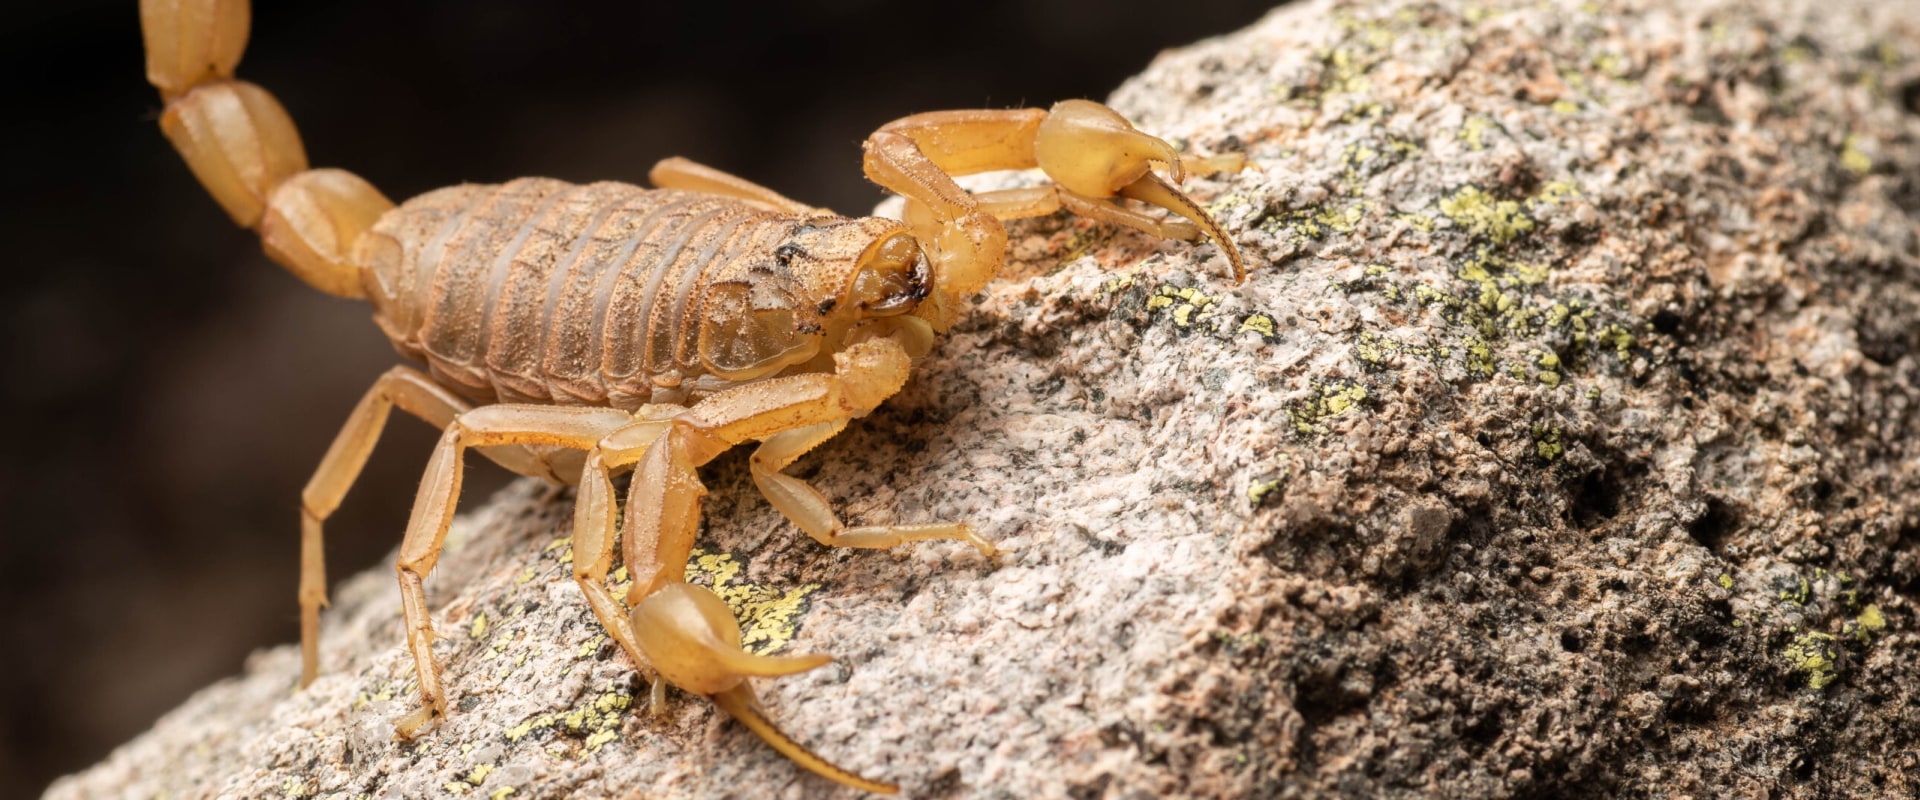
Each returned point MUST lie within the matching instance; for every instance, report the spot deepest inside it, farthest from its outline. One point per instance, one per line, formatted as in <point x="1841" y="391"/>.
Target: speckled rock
<point x="1561" y="444"/>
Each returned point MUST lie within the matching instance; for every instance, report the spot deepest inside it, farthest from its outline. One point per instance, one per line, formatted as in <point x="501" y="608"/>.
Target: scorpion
<point x="573" y="332"/>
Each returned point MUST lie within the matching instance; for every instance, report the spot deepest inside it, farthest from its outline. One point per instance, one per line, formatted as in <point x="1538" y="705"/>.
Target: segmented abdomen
<point x="542" y="291"/>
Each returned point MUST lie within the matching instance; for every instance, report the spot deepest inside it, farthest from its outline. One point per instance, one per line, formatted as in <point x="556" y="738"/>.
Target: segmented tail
<point x="738" y="702"/>
<point x="243" y="147"/>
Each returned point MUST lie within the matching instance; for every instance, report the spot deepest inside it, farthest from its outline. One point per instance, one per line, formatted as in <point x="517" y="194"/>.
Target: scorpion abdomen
<point x="541" y="291"/>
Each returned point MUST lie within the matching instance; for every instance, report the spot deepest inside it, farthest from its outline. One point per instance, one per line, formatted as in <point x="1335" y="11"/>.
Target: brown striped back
<point x="541" y="291"/>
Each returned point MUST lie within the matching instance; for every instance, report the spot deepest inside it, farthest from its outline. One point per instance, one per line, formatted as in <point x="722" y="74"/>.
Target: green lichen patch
<point x="1373" y="155"/>
<point x="769" y="617"/>
<point x="1331" y="399"/>
<point x="1317" y="223"/>
<point x="1853" y="159"/>
<point x="1546" y="442"/>
<point x="1815" y="657"/>
<point x="1474" y="132"/>
<point x="1262" y="488"/>
<point x="1798" y="591"/>
<point x="1186" y="306"/>
<point x="1378" y="352"/>
<point x="1484" y="216"/>
<point x="1262" y="324"/>
<point x="1870" y="622"/>
<point x="1503" y="321"/>
<point x="1189" y="309"/>
<point x="594" y="723"/>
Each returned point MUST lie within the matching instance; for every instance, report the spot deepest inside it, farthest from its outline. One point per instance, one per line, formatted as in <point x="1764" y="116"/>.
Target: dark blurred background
<point x="167" y="390"/>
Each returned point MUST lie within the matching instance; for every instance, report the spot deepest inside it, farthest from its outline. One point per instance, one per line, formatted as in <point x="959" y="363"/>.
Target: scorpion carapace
<point x="574" y="332"/>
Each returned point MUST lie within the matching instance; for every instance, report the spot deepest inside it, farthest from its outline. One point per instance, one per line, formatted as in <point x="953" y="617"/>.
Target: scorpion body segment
<point x="539" y="291"/>
<point x="573" y="332"/>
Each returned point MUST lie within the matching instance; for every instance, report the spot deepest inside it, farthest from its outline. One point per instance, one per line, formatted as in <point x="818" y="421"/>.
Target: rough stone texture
<point x="1560" y="445"/>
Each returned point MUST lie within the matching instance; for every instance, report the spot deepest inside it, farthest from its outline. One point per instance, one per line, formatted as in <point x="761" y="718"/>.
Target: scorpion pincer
<point x="573" y="332"/>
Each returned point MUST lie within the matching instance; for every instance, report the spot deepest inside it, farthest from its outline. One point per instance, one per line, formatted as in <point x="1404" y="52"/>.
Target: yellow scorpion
<point x="573" y="332"/>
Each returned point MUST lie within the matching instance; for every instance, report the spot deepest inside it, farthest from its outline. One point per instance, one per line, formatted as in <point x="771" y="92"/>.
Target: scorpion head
<point x="829" y="276"/>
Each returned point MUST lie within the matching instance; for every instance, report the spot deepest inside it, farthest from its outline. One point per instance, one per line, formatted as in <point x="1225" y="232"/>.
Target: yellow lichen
<point x="1480" y="356"/>
<point x="1258" y="490"/>
<point x="1852" y="159"/>
<point x="1609" y="64"/>
<point x="1814" y="656"/>
<point x="1474" y="132"/>
<point x="1869" y="622"/>
<point x="1549" y="368"/>
<point x="768" y="617"/>
<point x="1260" y="324"/>
<point x="1334" y="399"/>
<point x="1344" y="220"/>
<point x="1472" y="208"/>
<point x="478" y="774"/>
<point x="1554" y="192"/>
<point x="1188" y="305"/>
<point x="1419" y="222"/>
<point x="1546" y="442"/>
<point x="1799" y="595"/>
<point x="520" y="731"/>
<point x="1621" y="340"/>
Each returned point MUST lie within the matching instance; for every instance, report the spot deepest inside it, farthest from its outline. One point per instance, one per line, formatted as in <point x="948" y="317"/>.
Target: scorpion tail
<point x="1151" y="188"/>
<point x="740" y="703"/>
<point x="240" y="143"/>
<point x="692" y="639"/>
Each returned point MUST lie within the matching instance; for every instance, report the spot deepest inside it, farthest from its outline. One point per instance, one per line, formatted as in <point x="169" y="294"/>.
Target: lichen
<point x="1187" y="306"/>
<point x="1500" y="221"/>
<point x="1546" y="442"/>
<point x="1331" y="399"/>
<point x="1852" y="159"/>
<point x="479" y="774"/>
<point x="1260" y="490"/>
<point x="1815" y="657"/>
<point x="1870" y="622"/>
<point x="769" y="617"/>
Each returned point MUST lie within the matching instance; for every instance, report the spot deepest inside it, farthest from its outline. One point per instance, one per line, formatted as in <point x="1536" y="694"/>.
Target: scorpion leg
<point x="687" y="632"/>
<point x="804" y="504"/>
<point x="680" y="173"/>
<point x="576" y="428"/>
<point x="415" y="394"/>
<point x="593" y="521"/>
<point x="789" y="416"/>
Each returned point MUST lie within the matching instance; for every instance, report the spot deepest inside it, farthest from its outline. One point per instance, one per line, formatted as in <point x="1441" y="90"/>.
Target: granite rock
<point x="1560" y="444"/>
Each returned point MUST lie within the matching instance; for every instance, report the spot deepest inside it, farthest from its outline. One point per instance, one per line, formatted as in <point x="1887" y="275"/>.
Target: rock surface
<point x="1561" y="443"/>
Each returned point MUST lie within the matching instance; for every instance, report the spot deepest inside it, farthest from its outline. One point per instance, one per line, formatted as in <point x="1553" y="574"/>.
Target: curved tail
<point x="739" y="703"/>
<point x="243" y="147"/>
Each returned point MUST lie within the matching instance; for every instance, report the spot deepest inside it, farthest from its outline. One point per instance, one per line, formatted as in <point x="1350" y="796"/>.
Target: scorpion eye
<point x="892" y="277"/>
